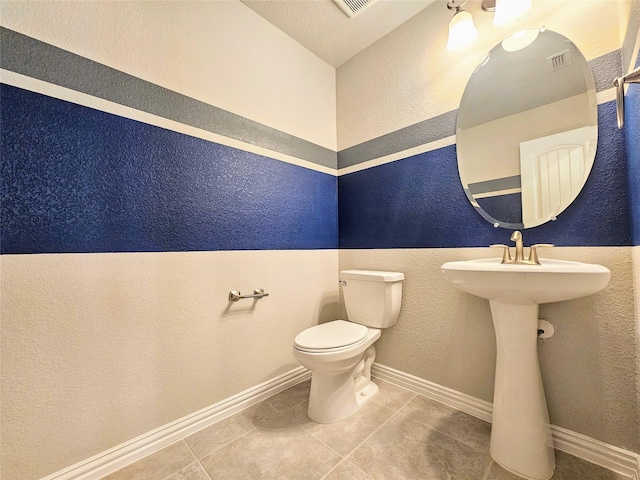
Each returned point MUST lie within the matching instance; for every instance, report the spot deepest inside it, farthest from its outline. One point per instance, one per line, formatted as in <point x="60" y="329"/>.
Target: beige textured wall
<point x="589" y="367"/>
<point x="220" y="52"/>
<point x="83" y="335"/>
<point x="636" y="285"/>
<point x="98" y="349"/>
<point x="422" y="79"/>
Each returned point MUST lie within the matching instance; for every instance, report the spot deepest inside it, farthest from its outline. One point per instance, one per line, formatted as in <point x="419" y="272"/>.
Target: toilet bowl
<point x="340" y="353"/>
<point x="341" y="375"/>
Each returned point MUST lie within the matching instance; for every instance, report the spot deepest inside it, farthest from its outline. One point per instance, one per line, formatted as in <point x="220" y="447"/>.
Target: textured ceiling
<point x="323" y="28"/>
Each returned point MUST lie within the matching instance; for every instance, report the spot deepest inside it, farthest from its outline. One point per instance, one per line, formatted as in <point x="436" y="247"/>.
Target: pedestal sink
<point x="521" y="434"/>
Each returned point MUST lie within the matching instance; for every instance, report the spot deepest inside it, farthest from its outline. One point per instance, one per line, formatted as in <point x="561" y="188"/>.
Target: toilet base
<point x="336" y="397"/>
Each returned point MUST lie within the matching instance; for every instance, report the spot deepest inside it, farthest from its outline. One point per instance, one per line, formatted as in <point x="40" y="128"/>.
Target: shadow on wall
<point x="329" y="308"/>
<point x="469" y="358"/>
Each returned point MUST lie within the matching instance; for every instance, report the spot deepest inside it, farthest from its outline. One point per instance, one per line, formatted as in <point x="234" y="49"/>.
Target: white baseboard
<point x="613" y="458"/>
<point x="460" y="401"/>
<point x="616" y="459"/>
<point x="122" y="455"/>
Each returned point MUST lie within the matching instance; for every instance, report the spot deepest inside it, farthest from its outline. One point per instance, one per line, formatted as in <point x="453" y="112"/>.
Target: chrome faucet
<point x="519" y="258"/>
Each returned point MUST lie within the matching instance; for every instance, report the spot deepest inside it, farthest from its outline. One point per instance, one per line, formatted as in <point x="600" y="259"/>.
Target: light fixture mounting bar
<point x="456" y="4"/>
<point x="489" y="5"/>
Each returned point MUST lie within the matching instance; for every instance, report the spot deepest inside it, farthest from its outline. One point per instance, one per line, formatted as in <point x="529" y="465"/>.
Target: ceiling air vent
<point x="353" y="7"/>
<point x="559" y="60"/>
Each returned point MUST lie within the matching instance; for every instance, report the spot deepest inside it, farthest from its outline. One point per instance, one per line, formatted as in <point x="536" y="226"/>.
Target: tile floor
<point x="398" y="435"/>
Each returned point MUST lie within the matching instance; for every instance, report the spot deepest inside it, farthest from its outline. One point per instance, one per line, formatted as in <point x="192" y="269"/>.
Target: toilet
<point x="340" y="353"/>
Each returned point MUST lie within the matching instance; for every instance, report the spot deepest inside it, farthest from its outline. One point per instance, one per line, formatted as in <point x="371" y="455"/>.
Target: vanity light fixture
<point x="508" y="11"/>
<point x="462" y="31"/>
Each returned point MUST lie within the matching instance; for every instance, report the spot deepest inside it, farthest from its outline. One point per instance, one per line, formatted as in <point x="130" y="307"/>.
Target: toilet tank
<point x="372" y="298"/>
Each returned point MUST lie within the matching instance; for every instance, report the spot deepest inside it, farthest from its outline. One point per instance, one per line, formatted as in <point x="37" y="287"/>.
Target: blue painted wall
<point x="632" y="132"/>
<point x="419" y="202"/>
<point x="75" y="179"/>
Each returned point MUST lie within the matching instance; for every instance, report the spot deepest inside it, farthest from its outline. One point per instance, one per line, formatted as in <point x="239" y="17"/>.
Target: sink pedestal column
<point x="521" y="438"/>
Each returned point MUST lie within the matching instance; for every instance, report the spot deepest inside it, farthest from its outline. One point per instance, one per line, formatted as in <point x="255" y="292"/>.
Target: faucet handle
<point x="506" y="253"/>
<point x="533" y="252"/>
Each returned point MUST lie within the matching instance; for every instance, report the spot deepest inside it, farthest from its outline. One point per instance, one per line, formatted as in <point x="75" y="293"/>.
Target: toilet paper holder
<point x="258" y="293"/>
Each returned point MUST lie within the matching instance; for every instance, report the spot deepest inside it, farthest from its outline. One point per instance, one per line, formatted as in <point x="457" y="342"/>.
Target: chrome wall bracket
<point x="633" y="77"/>
<point x="258" y="293"/>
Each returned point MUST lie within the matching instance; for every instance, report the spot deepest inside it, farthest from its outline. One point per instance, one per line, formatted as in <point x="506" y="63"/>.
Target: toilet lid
<point x="338" y="333"/>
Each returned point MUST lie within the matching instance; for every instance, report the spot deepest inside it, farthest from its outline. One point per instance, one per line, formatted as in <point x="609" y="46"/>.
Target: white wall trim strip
<point x="427" y="147"/>
<point x="129" y="452"/>
<point x="605" y="96"/>
<point x="613" y="458"/>
<point x="62" y="93"/>
<point x="37" y="59"/>
<point x="602" y="97"/>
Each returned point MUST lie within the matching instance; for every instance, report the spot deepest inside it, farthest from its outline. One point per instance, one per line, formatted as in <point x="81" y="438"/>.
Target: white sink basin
<point x="551" y="281"/>
<point x="521" y="438"/>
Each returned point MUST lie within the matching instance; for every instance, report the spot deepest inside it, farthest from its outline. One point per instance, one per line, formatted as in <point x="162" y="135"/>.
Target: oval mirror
<point x="527" y="129"/>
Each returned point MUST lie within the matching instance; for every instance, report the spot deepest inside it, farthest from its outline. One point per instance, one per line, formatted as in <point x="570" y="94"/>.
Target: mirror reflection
<point x="527" y="129"/>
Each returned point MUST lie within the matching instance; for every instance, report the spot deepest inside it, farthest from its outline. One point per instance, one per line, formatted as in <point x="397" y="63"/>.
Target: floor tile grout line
<point x="228" y="443"/>
<point x="457" y="440"/>
<point x="328" y="446"/>
<point x="344" y="459"/>
<point x="293" y="406"/>
<point x="394" y="413"/>
<point x="188" y="465"/>
<point x="181" y="440"/>
<point x="414" y="394"/>
<point x="276" y="414"/>
<point x="184" y="439"/>
<point x="204" y="470"/>
<point x="490" y="463"/>
<point x="281" y="412"/>
<point x="441" y="431"/>
<point x="399" y="408"/>
<point x="488" y="472"/>
<point x="372" y="434"/>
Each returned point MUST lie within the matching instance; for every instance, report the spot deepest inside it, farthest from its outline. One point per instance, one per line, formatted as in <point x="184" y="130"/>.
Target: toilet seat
<point x="334" y="335"/>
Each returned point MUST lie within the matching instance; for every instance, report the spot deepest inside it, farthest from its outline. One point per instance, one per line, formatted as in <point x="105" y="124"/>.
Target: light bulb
<point x="508" y="11"/>
<point x="462" y="31"/>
